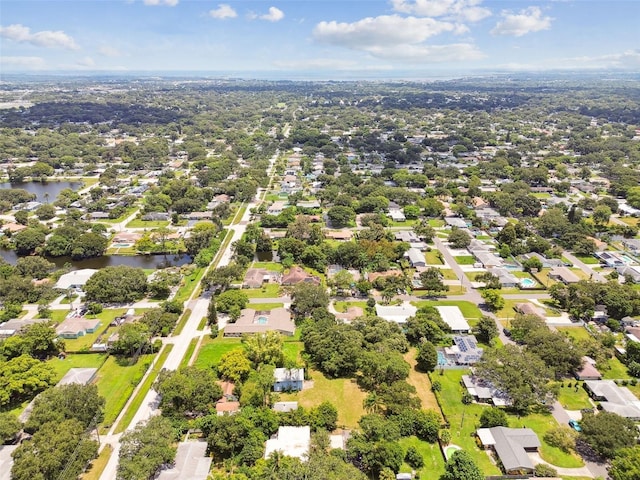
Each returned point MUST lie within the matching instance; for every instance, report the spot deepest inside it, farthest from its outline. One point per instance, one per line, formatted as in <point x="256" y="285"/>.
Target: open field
<point x="465" y="260"/>
<point x="265" y="306"/>
<point x="431" y="453"/>
<point x="573" y="398"/>
<point x="116" y="382"/>
<point x="211" y="350"/>
<point x="344" y="393"/>
<point x="142" y="392"/>
<point x="421" y="382"/>
<point x="269" y="290"/>
<point x="139" y="223"/>
<point x="271" y="266"/>
<point x="433" y="258"/>
<point x="469" y="310"/>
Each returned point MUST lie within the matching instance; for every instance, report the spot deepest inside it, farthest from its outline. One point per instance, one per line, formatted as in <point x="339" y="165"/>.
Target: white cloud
<point x="154" y="3"/>
<point x="327" y="64"/>
<point x="109" y="51"/>
<point x="33" y="63"/>
<point x="223" y="11"/>
<point x="274" y="15"/>
<point x="463" y="10"/>
<point x="392" y="37"/>
<point x="518" y="24"/>
<point x="627" y="59"/>
<point x="386" y="30"/>
<point x="45" y="38"/>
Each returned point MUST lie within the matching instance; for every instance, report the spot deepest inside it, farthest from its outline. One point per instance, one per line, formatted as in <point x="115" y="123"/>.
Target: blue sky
<point x="381" y="37"/>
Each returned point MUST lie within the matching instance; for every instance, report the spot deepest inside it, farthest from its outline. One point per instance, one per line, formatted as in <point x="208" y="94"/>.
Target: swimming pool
<point x="261" y="320"/>
<point x="527" y="283"/>
<point x="441" y="358"/>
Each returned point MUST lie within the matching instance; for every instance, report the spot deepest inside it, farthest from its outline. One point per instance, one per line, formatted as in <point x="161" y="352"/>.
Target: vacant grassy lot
<point x="342" y="306"/>
<point x="344" y="393"/>
<point x="573" y="398"/>
<point x="465" y="260"/>
<point x="433" y="258"/>
<point x="265" y="306"/>
<point x="448" y="274"/>
<point x="576" y="333"/>
<point x="468" y="309"/>
<point x="292" y="351"/>
<point x="93" y="360"/>
<point x="431" y="453"/>
<point x="144" y="389"/>
<point x="116" y="382"/>
<point x="271" y="266"/>
<point x="436" y="223"/>
<point x="588" y="259"/>
<point x="421" y="382"/>
<point x="617" y="370"/>
<point x="269" y="290"/>
<point x="211" y="350"/>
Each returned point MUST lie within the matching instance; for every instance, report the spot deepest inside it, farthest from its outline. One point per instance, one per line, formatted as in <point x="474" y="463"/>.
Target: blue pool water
<point x="527" y="283"/>
<point x="441" y="359"/>
<point x="261" y="320"/>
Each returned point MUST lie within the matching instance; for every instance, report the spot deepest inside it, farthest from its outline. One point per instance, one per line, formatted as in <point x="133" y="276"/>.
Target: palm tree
<point x="372" y="403"/>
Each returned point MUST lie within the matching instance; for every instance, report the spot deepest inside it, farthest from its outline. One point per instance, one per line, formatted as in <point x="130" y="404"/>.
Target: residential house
<point x="564" y="275"/>
<point x="256" y="277"/>
<point x="457" y="222"/>
<point x="15" y="325"/>
<point x="291" y="442"/>
<point x="526" y="308"/>
<point x="81" y="376"/>
<point x="156" y="217"/>
<point x="511" y="446"/>
<point x="506" y="278"/>
<point x="396" y="313"/>
<point x="452" y="316"/>
<point x="411" y="238"/>
<point x="483" y="391"/>
<point x="416" y="258"/>
<point x="588" y="371"/>
<point x="632" y="272"/>
<point x="75" y="327"/>
<point x="260" y="321"/>
<point x="288" y="379"/>
<point x="297" y="275"/>
<point x="341" y="235"/>
<point x="613" y="398"/>
<point x="465" y="350"/>
<point x="75" y="279"/>
<point x="373" y="276"/>
<point x="197" y="216"/>
<point x="277" y="207"/>
<point x="632" y="244"/>
<point x="396" y="215"/>
<point x="488" y="259"/>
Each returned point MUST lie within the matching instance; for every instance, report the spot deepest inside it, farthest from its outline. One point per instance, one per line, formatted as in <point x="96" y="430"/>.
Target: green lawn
<point x="576" y="333"/>
<point x="342" y="306"/>
<point x="211" y="350"/>
<point x="271" y="266"/>
<point x="344" y="393"/>
<point x="98" y="465"/>
<point x="116" y="382"/>
<point x="465" y="260"/>
<point x="617" y="370"/>
<point x="268" y="290"/>
<point x="265" y="306"/>
<point x="92" y="360"/>
<point x="144" y="389"/>
<point x="573" y="399"/>
<point x="190" y="283"/>
<point x="436" y="223"/>
<point x="292" y="351"/>
<point x="139" y="223"/>
<point x="468" y="309"/>
<point x="190" y="349"/>
<point x="588" y="259"/>
<point x="448" y="274"/>
<point x="433" y="258"/>
<point x="431" y="453"/>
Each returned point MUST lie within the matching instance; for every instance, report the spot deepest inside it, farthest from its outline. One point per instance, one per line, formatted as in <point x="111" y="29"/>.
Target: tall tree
<point x="144" y="450"/>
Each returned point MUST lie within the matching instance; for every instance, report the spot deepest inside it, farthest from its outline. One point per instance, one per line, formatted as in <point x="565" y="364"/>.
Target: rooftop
<point x="291" y="441"/>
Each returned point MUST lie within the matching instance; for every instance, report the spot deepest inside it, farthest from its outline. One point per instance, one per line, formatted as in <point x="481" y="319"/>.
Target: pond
<point x="46" y="191"/>
<point x="140" y="261"/>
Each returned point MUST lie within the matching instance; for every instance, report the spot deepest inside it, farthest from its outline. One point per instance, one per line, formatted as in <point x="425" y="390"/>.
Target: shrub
<point x="543" y="470"/>
<point x="414" y="458"/>
<point x="561" y="437"/>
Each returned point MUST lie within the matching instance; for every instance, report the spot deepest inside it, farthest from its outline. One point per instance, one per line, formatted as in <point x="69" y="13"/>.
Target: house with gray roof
<point x="259" y="321"/>
<point x="512" y="447"/>
<point x="613" y="398"/>
<point x="416" y="258"/>
<point x="191" y="463"/>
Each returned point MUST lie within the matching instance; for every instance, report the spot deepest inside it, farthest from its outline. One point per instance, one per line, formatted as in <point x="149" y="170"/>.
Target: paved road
<point x="595" y="276"/>
<point x="181" y="342"/>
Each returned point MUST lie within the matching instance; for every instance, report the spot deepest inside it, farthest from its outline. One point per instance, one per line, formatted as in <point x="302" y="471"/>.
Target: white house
<point x="75" y="279"/>
<point x="396" y="313"/>
<point x="453" y="317"/>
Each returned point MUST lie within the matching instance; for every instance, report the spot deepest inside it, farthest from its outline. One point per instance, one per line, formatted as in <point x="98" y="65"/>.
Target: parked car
<point x="575" y="425"/>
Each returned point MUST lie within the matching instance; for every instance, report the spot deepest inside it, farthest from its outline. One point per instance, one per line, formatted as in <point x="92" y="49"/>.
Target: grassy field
<point x="432" y="455"/>
<point x="617" y="370"/>
<point x="93" y="360"/>
<point x="344" y="393"/>
<point x="448" y="274"/>
<point x="342" y="306"/>
<point x="139" y="223"/>
<point x="144" y="388"/>
<point x="572" y="398"/>
<point x="421" y="382"/>
<point x="468" y="309"/>
<point x="271" y="266"/>
<point x="190" y="284"/>
<point x="588" y="259"/>
<point x="211" y="350"/>
<point x="98" y="465"/>
<point x="292" y="351"/>
<point x="465" y="260"/>
<point x="187" y="356"/>
<point x="116" y="382"/>
<point x="436" y="223"/>
<point x="265" y="306"/>
<point x="269" y="290"/>
<point x="433" y="258"/>
<point x="576" y="333"/>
